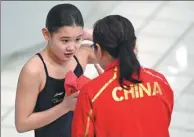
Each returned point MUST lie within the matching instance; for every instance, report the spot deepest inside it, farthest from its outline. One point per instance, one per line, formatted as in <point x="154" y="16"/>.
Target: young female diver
<point x="41" y="104"/>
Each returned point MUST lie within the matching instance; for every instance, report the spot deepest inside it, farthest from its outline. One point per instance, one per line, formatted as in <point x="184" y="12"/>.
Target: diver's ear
<point x="46" y="33"/>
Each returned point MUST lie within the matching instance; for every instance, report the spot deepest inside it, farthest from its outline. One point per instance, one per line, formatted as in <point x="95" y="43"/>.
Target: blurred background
<point x="165" y="32"/>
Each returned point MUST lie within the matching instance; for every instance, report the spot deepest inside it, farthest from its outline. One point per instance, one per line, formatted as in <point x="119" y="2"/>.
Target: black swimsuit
<point x="51" y="95"/>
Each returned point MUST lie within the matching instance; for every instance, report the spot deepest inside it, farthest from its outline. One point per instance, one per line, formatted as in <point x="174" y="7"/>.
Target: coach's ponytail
<point x="129" y="64"/>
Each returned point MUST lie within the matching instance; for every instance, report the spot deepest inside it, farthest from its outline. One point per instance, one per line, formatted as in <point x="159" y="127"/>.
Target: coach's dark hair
<point x="63" y="15"/>
<point x="115" y="34"/>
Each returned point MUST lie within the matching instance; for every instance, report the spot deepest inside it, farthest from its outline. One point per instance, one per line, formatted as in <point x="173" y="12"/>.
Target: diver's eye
<point x="65" y="40"/>
<point x="78" y="39"/>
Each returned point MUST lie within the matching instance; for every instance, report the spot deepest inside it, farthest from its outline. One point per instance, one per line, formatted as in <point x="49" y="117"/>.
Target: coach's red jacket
<point x="104" y="109"/>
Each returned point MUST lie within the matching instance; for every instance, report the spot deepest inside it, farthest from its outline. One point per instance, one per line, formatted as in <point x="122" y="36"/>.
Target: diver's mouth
<point x="68" y="54"/>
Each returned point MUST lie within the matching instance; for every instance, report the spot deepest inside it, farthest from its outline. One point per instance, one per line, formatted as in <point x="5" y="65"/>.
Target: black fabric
<point x="51" y="95"/>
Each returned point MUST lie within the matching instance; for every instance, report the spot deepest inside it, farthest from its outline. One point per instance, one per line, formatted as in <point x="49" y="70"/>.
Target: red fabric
<point x="98" y="113"/>
<point x="73" y="83"/>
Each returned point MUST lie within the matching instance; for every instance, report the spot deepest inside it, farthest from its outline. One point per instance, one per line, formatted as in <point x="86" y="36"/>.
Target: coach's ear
<point x="98" y="51"/>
